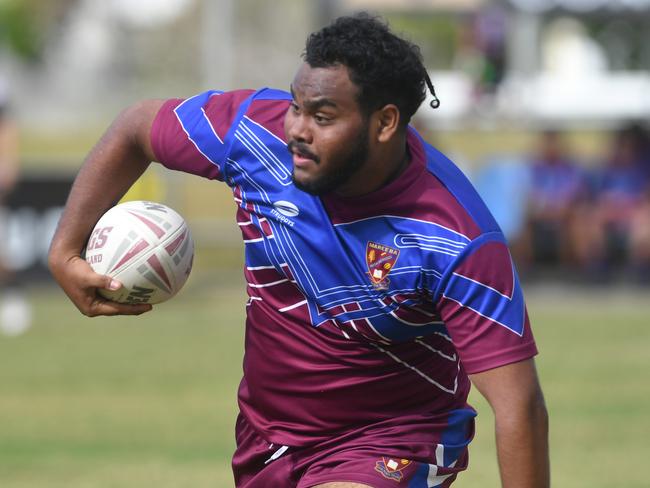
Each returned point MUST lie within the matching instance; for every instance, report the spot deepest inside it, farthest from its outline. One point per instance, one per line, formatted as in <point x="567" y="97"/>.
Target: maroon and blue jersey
<point x="360" y="310"/>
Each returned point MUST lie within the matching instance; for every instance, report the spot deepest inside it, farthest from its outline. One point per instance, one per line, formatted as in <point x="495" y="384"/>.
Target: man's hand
<point x="81" y="283"/>
<point x="120" y="157"/>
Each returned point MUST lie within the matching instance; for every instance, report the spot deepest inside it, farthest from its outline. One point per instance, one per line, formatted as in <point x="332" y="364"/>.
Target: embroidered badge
<point x="391" y="468"/>
<point x="380" y="260"/>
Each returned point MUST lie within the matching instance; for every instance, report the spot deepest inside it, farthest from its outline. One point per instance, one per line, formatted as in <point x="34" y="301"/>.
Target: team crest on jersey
<point x="380" y="260"/>
<point x="391" y="468"/>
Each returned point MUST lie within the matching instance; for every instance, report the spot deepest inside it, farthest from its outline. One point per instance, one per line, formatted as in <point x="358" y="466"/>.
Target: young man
<point x="377" y="279"/>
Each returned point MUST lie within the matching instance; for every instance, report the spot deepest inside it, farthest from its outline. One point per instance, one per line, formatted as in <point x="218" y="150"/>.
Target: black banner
<point x="27" y="223"/>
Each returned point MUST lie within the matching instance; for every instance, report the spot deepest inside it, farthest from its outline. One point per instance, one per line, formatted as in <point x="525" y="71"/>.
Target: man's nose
<point x="299" y="129"/>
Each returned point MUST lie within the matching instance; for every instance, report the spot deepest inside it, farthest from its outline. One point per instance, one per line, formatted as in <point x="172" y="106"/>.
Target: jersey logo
<point x="287" y="209"/>
<point x="380" y="260"/>
<point x="391" y="468"/>
<point x="282" y="210"/>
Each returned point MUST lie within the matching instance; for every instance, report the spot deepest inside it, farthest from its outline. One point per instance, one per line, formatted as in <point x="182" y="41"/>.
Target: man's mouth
<point x="301" y="156"/>
<point x="301" y="162"/>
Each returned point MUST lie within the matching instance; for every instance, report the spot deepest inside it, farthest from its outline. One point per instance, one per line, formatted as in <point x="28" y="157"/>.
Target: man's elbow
<point x="537" y="410"/>
<point x="528" y="407"/>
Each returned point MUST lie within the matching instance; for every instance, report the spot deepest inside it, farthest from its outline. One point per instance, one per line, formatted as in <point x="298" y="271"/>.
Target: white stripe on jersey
<point x="249" y="222"/>
<point x="415" y="324"/>
<point x="255" y="268"/>
<point x="265" y="285"/>
<point x="405" y="218"/>
<point x="291" y="307"/>
<point x="433" y="479"/>
<point x="440" y="455"/>
<point x="259" y="239"/>
<point x="416" y="370"/>
<point x="210" y="124"/>
<point x="450" y="358"/>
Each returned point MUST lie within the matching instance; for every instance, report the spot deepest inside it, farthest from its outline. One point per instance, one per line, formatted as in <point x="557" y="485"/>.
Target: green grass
<point x="147" y="401"/>
<point x="151" y="401"/>
<point x="594" y="364"/>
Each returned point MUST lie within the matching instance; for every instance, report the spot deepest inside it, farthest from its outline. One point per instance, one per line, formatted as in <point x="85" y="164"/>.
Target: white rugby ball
<point x="146" y="246"/>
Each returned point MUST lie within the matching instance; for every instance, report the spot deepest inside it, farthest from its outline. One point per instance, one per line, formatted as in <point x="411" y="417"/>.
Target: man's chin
<point x="308" y="186"/>
<point x="325" y="182"/>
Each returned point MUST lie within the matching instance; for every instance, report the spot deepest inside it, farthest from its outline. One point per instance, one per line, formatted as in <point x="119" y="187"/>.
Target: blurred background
<point x="545" y="105"/>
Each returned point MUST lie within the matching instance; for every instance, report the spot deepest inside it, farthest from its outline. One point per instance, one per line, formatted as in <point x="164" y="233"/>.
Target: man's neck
<point x="388" y="164"/>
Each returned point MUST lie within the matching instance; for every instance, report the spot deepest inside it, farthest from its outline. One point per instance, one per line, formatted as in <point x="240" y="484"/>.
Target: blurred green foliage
<point x="624" y="40"/>
<point x="435" y="33"/>
<point x="24" y="24"/>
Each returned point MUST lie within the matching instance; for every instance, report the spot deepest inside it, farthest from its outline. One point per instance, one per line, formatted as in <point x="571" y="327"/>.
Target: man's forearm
<point x="113" y="165"/>
<point x="522" y="447"/>
<point x="107" y="174"/>
<point x="516" y="398"/>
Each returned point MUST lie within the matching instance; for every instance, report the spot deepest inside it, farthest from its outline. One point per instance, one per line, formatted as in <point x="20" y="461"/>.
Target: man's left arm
<point x="483" y="307"/>
<point x="521" y="423"/>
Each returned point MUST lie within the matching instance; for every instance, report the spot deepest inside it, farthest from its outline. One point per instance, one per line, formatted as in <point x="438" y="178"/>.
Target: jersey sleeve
<point x="192" y="135"/>
<point x="483" y="308"/>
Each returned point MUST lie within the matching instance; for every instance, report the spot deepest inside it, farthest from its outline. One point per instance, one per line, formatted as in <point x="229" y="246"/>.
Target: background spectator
<point x="612" y="228"/>
<point x="557" y="183"/>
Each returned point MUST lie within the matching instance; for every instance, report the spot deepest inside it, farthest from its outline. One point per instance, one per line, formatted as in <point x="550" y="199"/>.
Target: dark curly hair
<point x="386" y="68"/>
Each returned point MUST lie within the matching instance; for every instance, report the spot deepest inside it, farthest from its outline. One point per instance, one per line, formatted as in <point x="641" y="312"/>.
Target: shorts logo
<point x="391" y="468"/>
<point x="380" y="260"/>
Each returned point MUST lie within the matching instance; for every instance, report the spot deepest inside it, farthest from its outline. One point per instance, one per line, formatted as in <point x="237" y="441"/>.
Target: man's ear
<point x="387" y="122"/>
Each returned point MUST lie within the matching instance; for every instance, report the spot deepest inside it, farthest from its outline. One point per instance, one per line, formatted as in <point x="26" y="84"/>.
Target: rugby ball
<point x="146" y="246"/>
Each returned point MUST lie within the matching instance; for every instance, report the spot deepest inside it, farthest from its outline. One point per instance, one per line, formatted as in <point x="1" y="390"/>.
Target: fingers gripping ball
<point x="146" y="246"/>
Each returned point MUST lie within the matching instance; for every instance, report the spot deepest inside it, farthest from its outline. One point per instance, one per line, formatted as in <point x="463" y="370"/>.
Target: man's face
<point x="325" y="129"/>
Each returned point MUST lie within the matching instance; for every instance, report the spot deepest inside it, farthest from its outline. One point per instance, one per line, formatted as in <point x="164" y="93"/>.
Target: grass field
<point x="150" y="401"/>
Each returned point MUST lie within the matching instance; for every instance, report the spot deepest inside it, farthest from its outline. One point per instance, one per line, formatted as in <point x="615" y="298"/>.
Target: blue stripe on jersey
<point x="394" y="329"/>
<point x="487" y="302"/>
<point x="419" y="479"/>
<point x="272" y="94"/>
<point x="252" y="136"/>
<point x="454" y="441"/>
<point x="256" y="160"/>
<point x="199" y="130"/>
<point x="458" y="434"/>
<point x="507" y="311"/>
<point x="415" y="239"/>
<point x="460" y="187"/>
<point x="195" y="123"/>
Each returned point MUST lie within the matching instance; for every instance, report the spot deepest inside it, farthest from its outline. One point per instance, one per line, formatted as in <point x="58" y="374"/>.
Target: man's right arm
<point x="115" y="163"/>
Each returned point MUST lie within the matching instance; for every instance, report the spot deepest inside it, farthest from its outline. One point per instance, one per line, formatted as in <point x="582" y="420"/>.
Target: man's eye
<point x="321" y="118"/>
<point x="294" y="107"/>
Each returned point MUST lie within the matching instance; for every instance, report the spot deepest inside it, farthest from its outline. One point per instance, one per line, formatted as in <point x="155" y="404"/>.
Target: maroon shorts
<point x="383" y="455"/>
